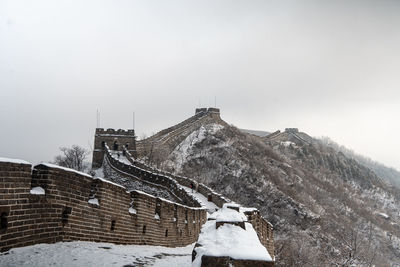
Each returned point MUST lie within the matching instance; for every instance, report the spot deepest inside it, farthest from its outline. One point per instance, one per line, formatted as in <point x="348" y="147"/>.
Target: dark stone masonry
<point x="65" y="214"/>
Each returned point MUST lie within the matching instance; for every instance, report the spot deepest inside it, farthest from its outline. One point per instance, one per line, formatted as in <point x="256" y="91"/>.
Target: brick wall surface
<point x="64" y="213"/>
<point x="28" y="219"/>
<point x="264" y="230"/>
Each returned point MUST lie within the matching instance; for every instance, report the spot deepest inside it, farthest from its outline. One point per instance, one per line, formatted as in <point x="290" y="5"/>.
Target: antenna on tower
<point x="97" y="118"/>
<point x="215" y="101"/>
<point x="133" y="120"/>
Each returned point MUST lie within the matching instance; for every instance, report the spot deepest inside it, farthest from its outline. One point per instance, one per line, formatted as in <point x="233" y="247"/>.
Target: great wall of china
<point x="78" y="206"/>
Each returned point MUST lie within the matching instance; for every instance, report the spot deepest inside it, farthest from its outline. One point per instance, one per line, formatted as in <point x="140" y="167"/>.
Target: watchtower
<point x="115" y="140"/>
<point x="292" y="130"/>
<point x="211" y="112"/>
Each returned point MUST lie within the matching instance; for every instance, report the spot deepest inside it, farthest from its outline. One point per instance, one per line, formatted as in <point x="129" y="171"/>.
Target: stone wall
<point x="264" y="229"/>
<point x="292" y="130"/>
<point x="173" y="135"/>
<point x="26" y="219"/>
<point x="65" y="214"/>
<point x="155" y="178"/>
<point x="215" y="197"/>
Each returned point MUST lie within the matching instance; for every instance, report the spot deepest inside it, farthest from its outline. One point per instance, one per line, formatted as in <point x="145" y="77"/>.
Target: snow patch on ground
<point x="383" y="215"/>
<point x="182" y="152"/>
<point x="287" y="144"/>
<point x="83" y="254"/>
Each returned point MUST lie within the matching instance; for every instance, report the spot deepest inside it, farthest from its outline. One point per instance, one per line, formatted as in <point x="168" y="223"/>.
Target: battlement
<point x="52" y="204"/>
<point x="209" y="110"/>
<point x="213" y="110"/>
<point x="200" y="110"/>
<point x="119" y="132"/>
<point x="292" y="130"/>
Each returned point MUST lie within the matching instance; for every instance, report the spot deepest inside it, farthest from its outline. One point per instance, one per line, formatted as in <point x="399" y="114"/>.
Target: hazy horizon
<point x="327" y="68"/>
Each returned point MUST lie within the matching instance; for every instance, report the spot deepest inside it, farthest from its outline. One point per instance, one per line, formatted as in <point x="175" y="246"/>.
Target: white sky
<point x="328" y="68"/>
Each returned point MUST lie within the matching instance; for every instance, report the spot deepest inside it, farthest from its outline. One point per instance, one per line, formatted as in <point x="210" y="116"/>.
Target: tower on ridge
<point x="115" y="140"/>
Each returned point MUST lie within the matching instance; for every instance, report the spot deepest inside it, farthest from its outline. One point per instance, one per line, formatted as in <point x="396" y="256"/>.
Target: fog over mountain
<point x="328" y="68"/>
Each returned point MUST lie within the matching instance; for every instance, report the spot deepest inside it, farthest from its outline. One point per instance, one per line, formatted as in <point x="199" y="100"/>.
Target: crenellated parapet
<point x="213" y="110"/>
<point x="292" y="130"/>
<point x="52" y="204"/>
<point x="200" y="110"/>
<point x="110" y="131"/>
<point x="213" y="196"/>
<point x="151" y="178"/>
<point x="207" y="110"/>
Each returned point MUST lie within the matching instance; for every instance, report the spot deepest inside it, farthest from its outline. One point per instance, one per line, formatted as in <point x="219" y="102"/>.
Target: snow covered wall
<point x="150" y="177"/>
<point x="76" y="206"/>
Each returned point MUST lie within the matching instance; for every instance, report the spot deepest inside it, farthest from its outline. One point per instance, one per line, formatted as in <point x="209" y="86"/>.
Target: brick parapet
<point x="110" y="131"/>
<point x="28" y="219"/>
<point x="264" y="229"/>
<point x="217" y="198"/>
<point x="155" y="178"/>
<point x="64" y="213"/>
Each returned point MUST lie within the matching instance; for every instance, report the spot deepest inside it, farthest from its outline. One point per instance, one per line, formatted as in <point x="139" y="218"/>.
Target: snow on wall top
<point x="230" y="241"/>
<point x="166" y="200"/>
<point x="18" y="161"/>
<point x="229" y="215"/>
<point x="50" y="165"/>
<point x="226" y="214"/>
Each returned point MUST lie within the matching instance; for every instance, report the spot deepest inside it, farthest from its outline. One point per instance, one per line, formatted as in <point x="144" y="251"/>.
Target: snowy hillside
<point x="326" y="207"/>
<point x="83" y="254"/>
<point x="390" y="174"/>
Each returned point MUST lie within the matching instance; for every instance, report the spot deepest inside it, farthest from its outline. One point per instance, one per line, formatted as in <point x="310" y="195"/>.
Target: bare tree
<point x="73" y="157"/>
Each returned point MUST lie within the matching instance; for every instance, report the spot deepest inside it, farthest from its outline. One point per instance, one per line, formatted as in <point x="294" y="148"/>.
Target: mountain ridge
<point x="317" y="198"/>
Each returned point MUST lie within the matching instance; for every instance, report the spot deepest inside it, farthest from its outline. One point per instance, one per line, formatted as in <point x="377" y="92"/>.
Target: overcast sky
<point x="330" y="68"/>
